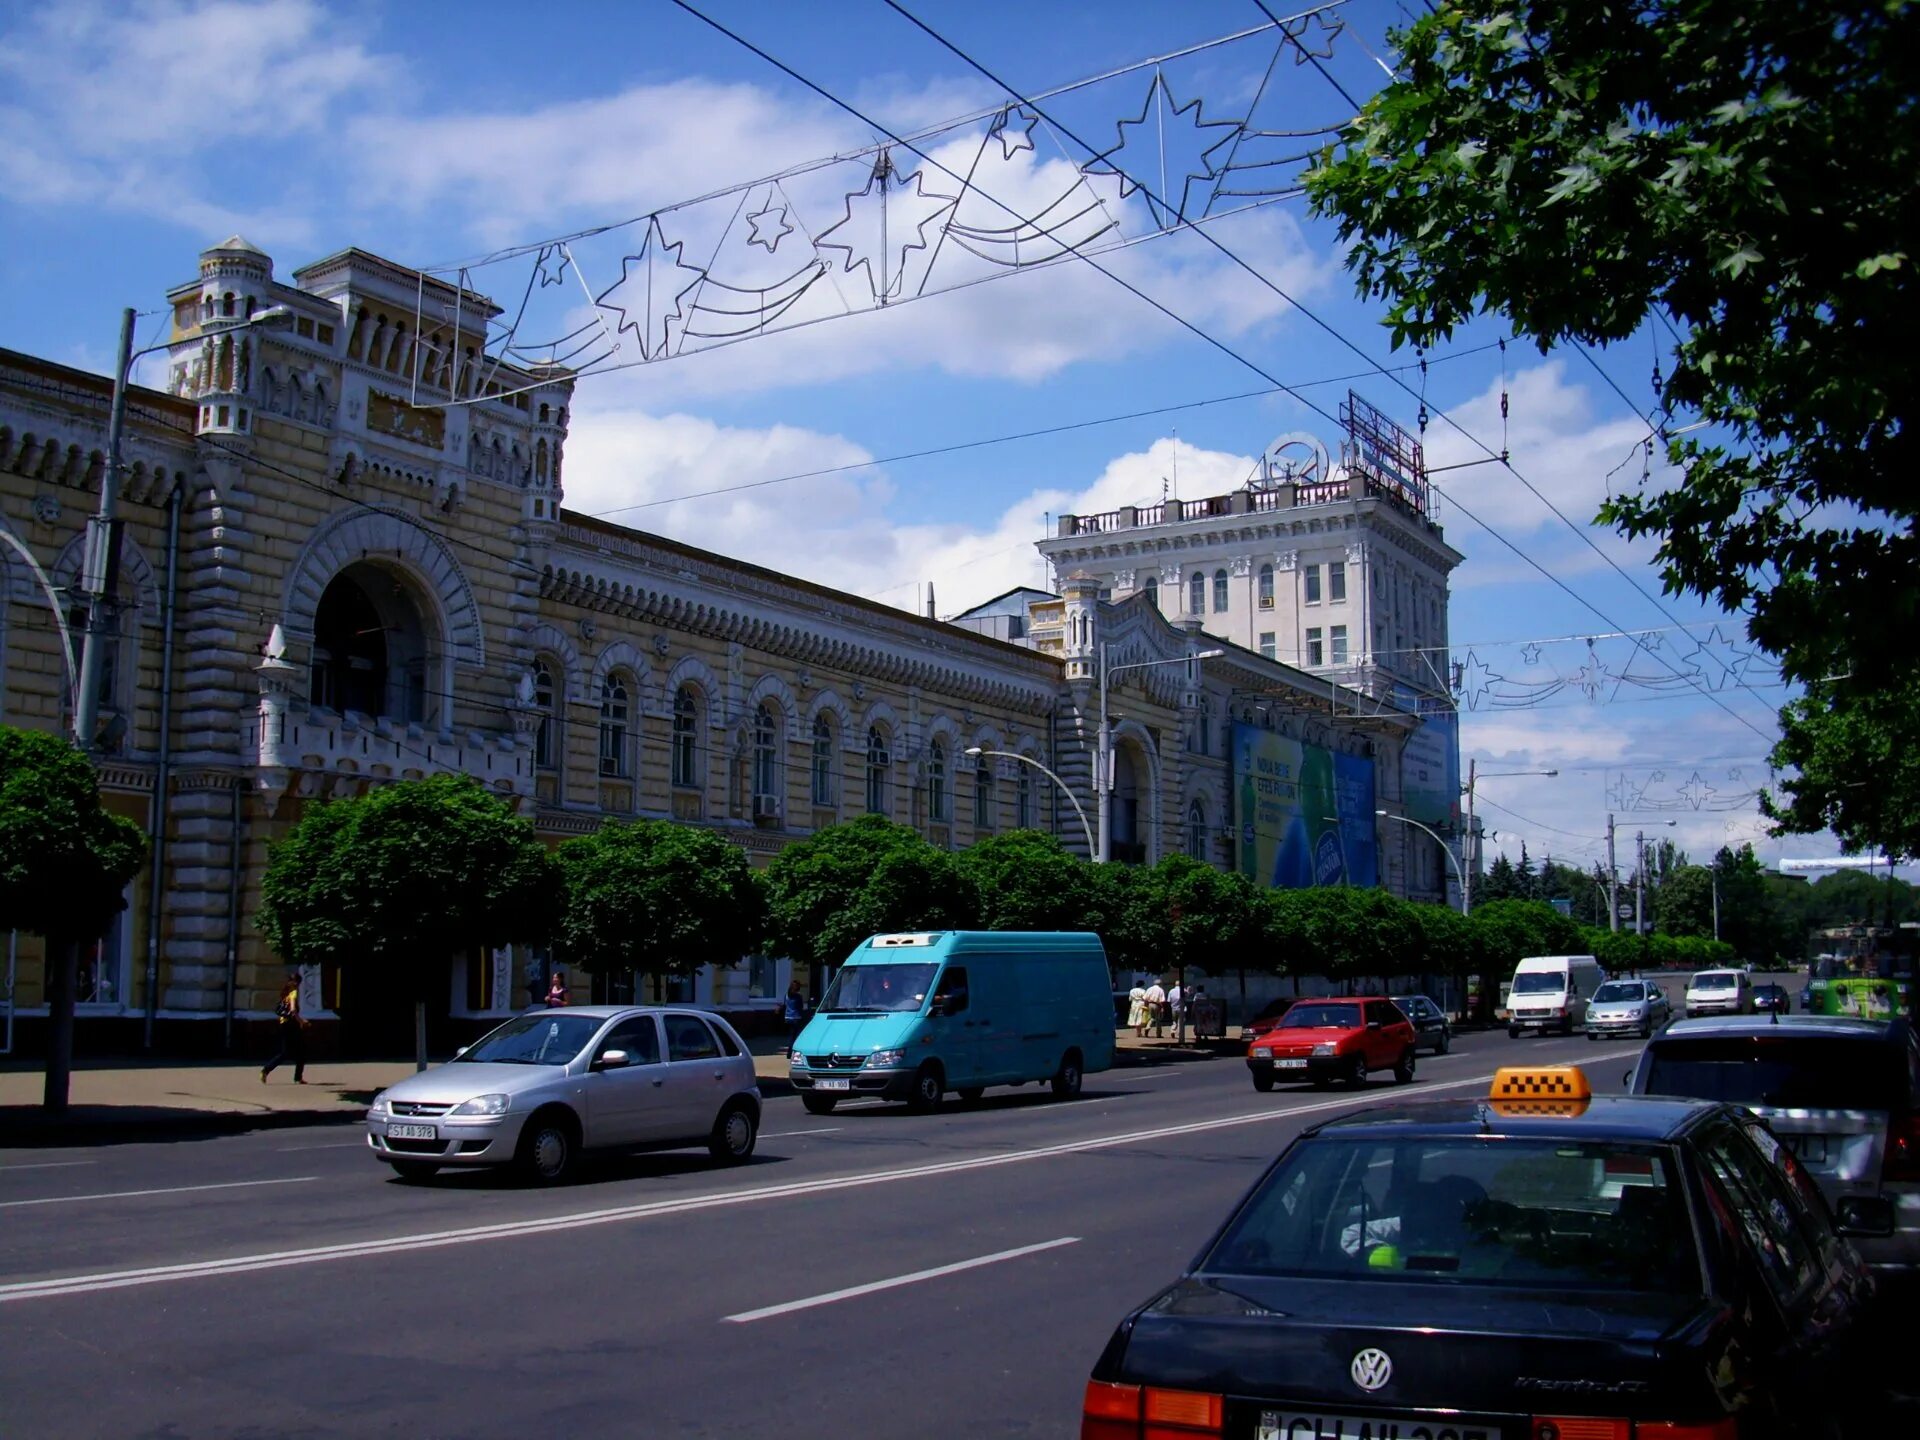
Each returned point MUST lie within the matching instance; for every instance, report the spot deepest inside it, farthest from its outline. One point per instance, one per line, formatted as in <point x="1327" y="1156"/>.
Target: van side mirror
<point x="613" y="1060"/>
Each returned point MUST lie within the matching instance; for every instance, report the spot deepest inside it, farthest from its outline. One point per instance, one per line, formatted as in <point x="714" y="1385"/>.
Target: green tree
<point x="1501" y="882"/>
<point x="1450" y="943"/>
<point x="1028" y="880"/>
<point x="656" y="898"/>
<point x="830" y="891"/>
<point x="1683" y="903"/>
<point x="1750" y="174"/>
<point x="405" y="878"/>
<point x="1511" y="930"/>
<point x="1216" y="920"/>
<point x="64" y="863"/>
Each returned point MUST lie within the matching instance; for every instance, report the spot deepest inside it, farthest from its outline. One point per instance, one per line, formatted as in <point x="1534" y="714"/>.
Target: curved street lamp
<point x="1445" y="849"/>
<point x="1071" y="799"/>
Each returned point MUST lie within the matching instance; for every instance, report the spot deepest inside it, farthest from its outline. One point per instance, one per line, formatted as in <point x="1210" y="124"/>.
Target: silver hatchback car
<point x="1627" y="1007"/>
<point x="549" y="1084"/>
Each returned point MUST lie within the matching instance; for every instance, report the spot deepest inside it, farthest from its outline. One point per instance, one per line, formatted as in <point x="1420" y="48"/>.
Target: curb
<point x="121" y="1125"/>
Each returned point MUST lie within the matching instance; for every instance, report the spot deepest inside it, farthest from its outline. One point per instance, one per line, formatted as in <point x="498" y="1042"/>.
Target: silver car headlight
<point x="379" y="1105"/>
<point x="1326" y="1049"/>
<point x="481" y="1105"/>
<point x="797" y="1058"/>
<point x="880" y="1059"/>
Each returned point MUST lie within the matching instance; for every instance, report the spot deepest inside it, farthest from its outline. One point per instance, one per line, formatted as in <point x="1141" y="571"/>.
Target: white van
<point x="1720" y="992"/>
<point x="1550" y="992"/>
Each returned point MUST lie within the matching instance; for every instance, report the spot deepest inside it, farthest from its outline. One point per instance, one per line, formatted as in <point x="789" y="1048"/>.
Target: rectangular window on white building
<point x="1337" y="580"/>
<point x="1313" y="646"/>
<point x="1339" y="640"/>
<point x="1312" y="572"/>
<point x="1266" y="644"/>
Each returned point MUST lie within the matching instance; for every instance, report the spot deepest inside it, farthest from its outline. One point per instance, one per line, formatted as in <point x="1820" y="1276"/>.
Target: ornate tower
<point x="235" y="280"/>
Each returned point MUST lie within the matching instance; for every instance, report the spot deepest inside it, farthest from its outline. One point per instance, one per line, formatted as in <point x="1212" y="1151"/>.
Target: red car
<point x="1334" y="1039"/>
<point x="1270" y="1015"/>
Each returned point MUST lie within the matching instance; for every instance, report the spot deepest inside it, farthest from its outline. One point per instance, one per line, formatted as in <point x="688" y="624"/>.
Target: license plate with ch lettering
<point x="411" y="1132"/>
<point x="1294" y="1425"/>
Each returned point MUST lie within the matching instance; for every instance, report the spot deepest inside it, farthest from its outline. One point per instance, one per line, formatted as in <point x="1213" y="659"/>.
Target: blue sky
<point x="131" y="136"/>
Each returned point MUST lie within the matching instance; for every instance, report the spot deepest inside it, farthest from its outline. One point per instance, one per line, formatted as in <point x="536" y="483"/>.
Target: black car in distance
<point x="1536" y="1265"/>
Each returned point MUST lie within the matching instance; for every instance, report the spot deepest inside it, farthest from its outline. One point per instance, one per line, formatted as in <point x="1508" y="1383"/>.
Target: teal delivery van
<point x="910" y="1017"/>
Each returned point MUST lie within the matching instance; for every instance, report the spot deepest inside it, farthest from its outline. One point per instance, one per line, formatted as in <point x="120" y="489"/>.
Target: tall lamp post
<point x="1474" y="777"/>
<point x="1103" y="758"/>
<point x="1072" y="799"/>
<point x="99" y="571"/>
<point x="1466" y="896"/>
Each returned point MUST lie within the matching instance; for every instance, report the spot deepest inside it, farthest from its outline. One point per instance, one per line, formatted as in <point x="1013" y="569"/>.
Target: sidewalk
<point x="113" y="1101"/>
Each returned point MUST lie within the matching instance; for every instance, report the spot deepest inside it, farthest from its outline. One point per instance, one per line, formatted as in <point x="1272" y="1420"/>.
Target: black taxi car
<point x="1536" y="1265"/>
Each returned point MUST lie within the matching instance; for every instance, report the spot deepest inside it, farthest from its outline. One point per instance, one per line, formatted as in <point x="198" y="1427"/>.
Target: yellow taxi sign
<point x="1543" y="1082"/>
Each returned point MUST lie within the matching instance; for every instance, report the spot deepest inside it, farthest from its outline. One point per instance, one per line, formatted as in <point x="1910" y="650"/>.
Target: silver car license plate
<point x="833" y="1084"/>
<point x="1289" y="1064"/>
<point x="411" y="1132"/>
<point x="1810" y="1148"/>
<point x="1294" y="1425"/>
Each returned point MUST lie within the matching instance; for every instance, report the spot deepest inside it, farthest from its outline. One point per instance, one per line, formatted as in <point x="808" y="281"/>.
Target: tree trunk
<point x="419" y="1035"/>
<point x="62" y="964"/>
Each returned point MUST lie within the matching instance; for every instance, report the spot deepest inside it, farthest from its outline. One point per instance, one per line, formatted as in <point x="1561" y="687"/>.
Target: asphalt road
<point x="282" y="1284"/>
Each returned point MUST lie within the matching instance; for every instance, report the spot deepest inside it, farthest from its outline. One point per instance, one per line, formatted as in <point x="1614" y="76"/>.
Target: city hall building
<point x="344" y="558"/>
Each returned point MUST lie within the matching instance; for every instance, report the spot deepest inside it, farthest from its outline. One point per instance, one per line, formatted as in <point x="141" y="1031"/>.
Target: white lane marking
<point x="854" y="1291"/>
<point x="783" y="1134"/>
<point x="274" y="1260"/>
<point x="170" y="1190"/>
<point x="46" y="1165"/>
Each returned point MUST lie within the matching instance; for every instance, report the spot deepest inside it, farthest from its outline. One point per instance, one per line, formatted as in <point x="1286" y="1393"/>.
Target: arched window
<point x="1152" y="587"/>
<point x="766" y="752"/>
<point x="686" y="737"/>
<point x="878" y="761"/>
<point x="615" y="708"/>
<point x="937" y="782"/>
<point x="1023" y="799"/>
<point x="823" y="786"/>
<point x="1197" y="594"/>
<point x="983" y="815"/>
<point x="544" y="734"/>
<point x="1197" y="831"/>
<point x="1266" y="587"/>
<point x="1219" y="590"/>
<point x="226" y="304"/>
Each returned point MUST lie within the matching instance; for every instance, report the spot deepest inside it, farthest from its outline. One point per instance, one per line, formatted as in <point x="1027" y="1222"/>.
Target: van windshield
<point x="1540" y="982"/>
<point x="1714" y="980"/>
<point x="878" y="989"/>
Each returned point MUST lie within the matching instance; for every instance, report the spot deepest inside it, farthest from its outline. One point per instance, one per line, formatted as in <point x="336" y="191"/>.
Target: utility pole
<point x="1469" y="843"/>
<point x="99" y="572"/>
<point x="1639" y="881"/>
<point x="1613" y="881"/>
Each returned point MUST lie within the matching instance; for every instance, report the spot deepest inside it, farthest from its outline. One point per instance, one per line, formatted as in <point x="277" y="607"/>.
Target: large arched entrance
<point x="1128" y="840"/>
<point x="373" y="650"/>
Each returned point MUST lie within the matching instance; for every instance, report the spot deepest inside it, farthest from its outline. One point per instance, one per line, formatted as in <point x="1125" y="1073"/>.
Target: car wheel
<point x="1357" y="1071"/>
<point x="1445" y="1044"/>
<point x="1403" y="1070"/>
<point x="734" y="1133"/>
<point x="971" y="1093"/>
<point x="928" y="1086"/>
<point x="1513" y="1032"/>
<point x="1263" y="1081"/>
<point x="1066" y="1080"/>
<point x="548" y="1146"/>
<point x="819" y="1104"/>
<point x="414" y="1171"/>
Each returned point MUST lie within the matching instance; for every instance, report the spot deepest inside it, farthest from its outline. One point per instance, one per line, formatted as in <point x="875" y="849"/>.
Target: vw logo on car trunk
<point x="1371" y="1369"/>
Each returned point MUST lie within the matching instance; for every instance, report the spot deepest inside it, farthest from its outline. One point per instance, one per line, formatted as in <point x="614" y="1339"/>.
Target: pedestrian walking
<point x="1176" y="1010"/>
<point x="557" y="991"/>
<point x="1137" y="1009"/>
<point x="290" y="1031"/>
<point x="795" y="1012"/>
<point x="1156" y="1009"/>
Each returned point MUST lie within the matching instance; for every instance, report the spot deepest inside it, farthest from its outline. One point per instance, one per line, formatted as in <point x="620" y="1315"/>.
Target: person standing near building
<point x="1176" y="1010"/>
<point x="1156" y="1009"/>
<point x="1137" y="1009"/>
<point x="557" y="991"/>
<point x="290" y="1031"/>
<point x="794" y="1012"/>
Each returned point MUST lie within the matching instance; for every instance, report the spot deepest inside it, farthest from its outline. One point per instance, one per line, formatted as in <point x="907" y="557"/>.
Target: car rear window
<point x="1585" y="1216"/>
<point x="1784" y="1072"/>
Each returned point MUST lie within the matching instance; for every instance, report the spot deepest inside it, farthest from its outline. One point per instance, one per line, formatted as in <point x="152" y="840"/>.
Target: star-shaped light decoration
<point x="1301" y="34"/>
<point x="1591" y="679"/>
<point x="1717" y="661"/>
<point x="769" y="226"/>
<point x="1736" y="772"/>
<point x="552" y="264"/>
<point x="1013" y="128"/>
<point x="648" y="297"/>
<point x="894" y="213"/>
<point x="1530" y="654"/>
<point x="1475" y="681"/>
<point x="1697" y="792"/>
<point x="1651" y="643"/>
<point x="1179" y="145"/>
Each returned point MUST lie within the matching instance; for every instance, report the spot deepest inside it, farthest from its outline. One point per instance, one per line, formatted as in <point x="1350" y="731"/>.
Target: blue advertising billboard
<point x="1303" y="815"/>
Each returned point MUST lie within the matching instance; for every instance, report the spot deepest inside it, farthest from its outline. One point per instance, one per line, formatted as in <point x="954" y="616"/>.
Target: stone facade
<point x="344" y="560"/>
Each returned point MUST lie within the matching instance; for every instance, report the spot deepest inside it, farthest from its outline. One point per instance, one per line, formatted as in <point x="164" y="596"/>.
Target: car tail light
<point x="1580" y="1427"/>
<point x="1903" y="1149"/>
<point x="1110" y="1412"/>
